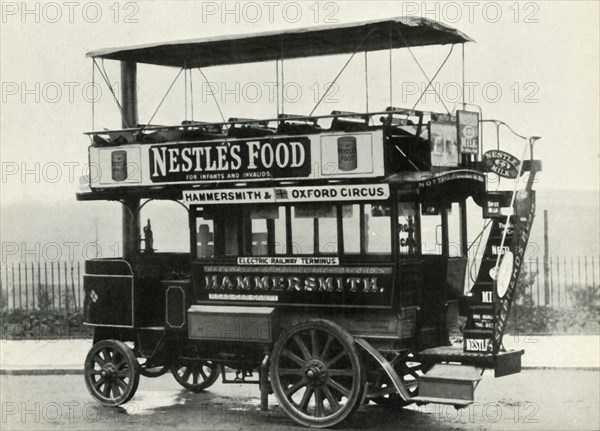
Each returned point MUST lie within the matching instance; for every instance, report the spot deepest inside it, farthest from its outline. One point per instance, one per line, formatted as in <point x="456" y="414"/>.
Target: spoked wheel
<point x="195" y="375"/>
<point x="150" y="369"/>
<point x="409" y="369"/>
<point x="111" y="372"/>
<point x="316" y="373"/>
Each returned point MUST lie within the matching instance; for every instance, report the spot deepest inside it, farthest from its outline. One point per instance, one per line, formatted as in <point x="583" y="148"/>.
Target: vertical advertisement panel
<point x="444" y="144"/>
<point x="468" y="132"/>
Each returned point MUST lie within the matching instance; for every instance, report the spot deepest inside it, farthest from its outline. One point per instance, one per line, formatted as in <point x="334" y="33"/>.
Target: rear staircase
<point x="453" y="371"/>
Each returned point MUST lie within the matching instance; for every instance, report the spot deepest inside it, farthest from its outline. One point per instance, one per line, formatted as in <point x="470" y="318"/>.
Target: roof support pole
<point x="129" y="117"/>
<point x="463" y="76"/>
<point x="464" y="241"/>
<point x="445" y="239"/>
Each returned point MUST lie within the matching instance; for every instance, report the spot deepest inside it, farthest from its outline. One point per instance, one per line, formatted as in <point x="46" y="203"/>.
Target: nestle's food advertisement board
<point x="320" y="156"/>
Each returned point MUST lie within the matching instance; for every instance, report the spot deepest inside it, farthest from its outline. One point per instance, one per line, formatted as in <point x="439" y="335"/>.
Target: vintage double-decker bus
<point x="321" y="263"/>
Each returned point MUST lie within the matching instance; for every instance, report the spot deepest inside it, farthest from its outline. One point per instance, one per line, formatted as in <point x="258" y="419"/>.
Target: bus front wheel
<point x="317" y="373"/>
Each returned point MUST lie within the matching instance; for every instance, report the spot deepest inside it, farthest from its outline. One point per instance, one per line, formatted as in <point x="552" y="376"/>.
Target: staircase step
<point x="456" y="354"/>
<point x="449" y="382"/>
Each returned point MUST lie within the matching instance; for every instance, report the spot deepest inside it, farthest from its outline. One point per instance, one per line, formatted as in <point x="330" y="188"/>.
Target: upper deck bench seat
<point x="345" y="121"/>
<point x="249" y="128"/>
<point x="297" y="125"/>
<point x="202" y="130"/>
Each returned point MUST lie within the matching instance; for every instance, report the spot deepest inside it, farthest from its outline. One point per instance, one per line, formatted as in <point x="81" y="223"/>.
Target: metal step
<point x="458" y="404"/>
<point x="449" y="383"/>
<point x="503" y="363"/>
<point x="456" y="354"/>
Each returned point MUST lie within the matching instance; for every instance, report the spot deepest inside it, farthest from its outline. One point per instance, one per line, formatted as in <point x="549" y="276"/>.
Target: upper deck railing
<point x="366" y="117"/>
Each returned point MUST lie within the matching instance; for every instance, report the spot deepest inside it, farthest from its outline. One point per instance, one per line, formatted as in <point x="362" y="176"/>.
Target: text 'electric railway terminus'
<point x="308" y="271"/>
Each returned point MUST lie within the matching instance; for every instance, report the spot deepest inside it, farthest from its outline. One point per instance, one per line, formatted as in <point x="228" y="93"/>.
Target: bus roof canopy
<point x="374" y="35"/>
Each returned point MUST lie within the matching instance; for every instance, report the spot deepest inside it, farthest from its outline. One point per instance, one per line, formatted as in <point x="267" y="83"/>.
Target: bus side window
<point x="280" y="231"/>
<point x="314" y="228"/>
<point x="268" y="232"/>
<point x="431" y="230"/>
<point x="407" y="243"/>
<point x="378" y="228"/>
<point x="260" y="237"/>
<point x="327" y="230"/>
<point x="351" y="228"/>
<point x="303" y="230"/>
<point x="231" y="228"/>
<point x="205" y="238"/>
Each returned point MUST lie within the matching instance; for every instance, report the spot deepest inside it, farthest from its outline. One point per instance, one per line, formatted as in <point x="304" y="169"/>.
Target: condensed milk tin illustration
<point x="347" y="155"/>
<point x="118" y="164"/>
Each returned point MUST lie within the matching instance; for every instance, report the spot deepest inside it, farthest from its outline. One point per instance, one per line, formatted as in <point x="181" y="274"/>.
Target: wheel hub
<point x="109" y="371"/>
<point x="315" y="373"/>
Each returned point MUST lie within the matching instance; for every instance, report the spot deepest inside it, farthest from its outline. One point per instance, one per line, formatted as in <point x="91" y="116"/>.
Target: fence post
<point x="59" y="287"/>
<point x="537" y="279"/>
<point x="79" y="285"/>
<point x="32" y="287"/>
<point x="564" y="279"/>
<point x="66" y="289"/>
<point x="7" y="295"/>
<point x="586" y="270"/>
<point x="26" y="289"/>
<point x="46" y="284"/>
<point x="20" y="287"/>
<point x="6" y="283"/>
<point x="73" y="289"/>
<point x="572" y="277"/>
<point x="52" y="277"/>
<point x="593" y="273"/>
<point x="39" y="283"/>
<point x="578" y="270"/>
<point x="547" y="272"/>
<point x="12" y="276"/>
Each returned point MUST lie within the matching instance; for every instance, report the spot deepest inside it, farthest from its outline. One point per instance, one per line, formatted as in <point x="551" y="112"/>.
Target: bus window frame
<point x="245" y="240"/>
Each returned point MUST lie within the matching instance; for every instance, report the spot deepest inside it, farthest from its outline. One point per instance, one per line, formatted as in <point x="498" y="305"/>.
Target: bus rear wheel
<point x="149" y="369"/>
<point x="317" y="374"/>
<point x="111" y="372"/>
<point x="194" y="374"/>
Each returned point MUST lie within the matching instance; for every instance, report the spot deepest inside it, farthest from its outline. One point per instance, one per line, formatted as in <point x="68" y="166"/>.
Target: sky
<point x="534" y="65"/>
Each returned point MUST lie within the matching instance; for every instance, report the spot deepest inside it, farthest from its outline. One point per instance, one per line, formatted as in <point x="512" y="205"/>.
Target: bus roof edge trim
<point x="296" y="43"/>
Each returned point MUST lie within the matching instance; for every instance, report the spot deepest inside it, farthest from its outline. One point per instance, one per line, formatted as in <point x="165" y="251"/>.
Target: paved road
<point x="532" y="400"/>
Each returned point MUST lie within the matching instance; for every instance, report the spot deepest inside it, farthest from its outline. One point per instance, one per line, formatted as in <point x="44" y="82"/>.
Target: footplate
<point x="503" y="363"/>
<point x="452" y="384"/>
